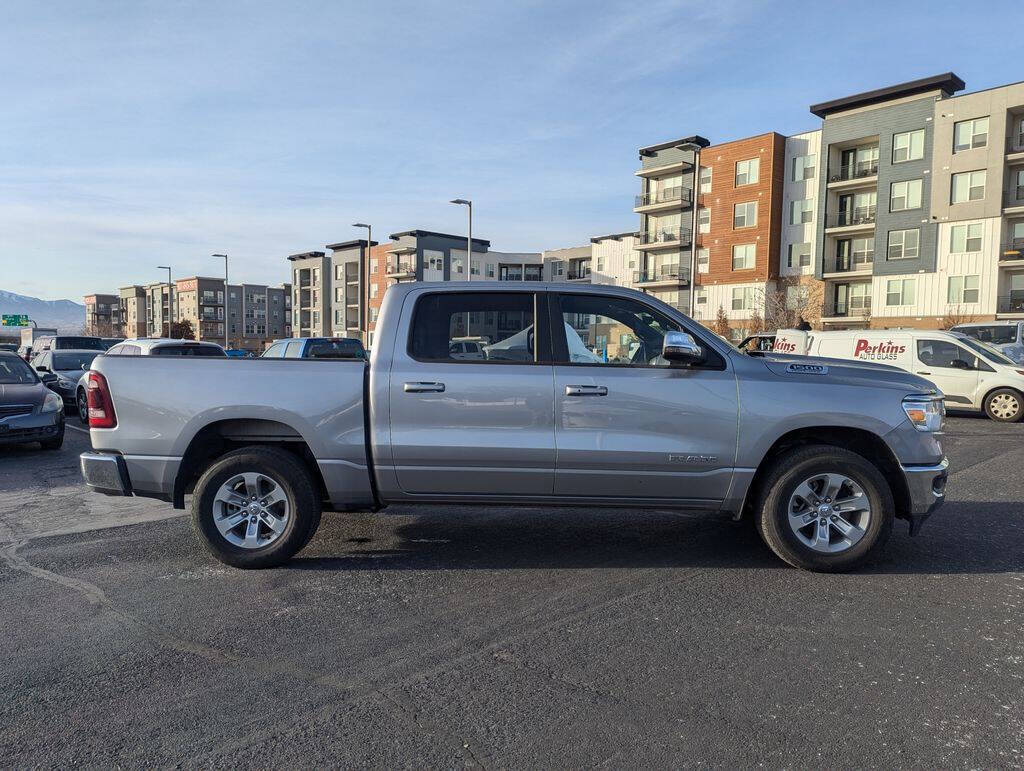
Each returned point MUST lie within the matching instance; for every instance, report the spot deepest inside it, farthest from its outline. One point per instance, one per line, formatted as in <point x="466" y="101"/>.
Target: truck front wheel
<point x="255" y="507"/>
<point x="825" y="509"/>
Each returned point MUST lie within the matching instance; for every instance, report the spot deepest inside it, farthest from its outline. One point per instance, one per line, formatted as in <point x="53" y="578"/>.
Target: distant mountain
<point x="65" y="315"/>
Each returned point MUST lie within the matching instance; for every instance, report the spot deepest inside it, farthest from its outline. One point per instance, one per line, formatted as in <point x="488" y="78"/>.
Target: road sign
<point x="14" y="320"/>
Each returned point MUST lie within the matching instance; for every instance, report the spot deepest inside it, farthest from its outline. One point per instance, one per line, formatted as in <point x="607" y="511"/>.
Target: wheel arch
<point x="868" y="445"/>
<point x="216" y="439"/>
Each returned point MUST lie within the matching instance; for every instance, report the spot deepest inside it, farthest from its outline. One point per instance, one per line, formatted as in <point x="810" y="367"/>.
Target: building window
<point x="705" y="179"/>
<point x="963" y="289"/>
<point x="373" y="291"/>
<point x="703" y="260"/>
<point x="743" y="256"/>
<point x="905" y="195"/>
<point x="803" y="167"/>
<point x="967" y="186"/>
<point x="457" y="265"/>
<point x="742" y="298"/>
<point x="490" y="270"/>
<point x="908" y="146"/>
<point x="1018" y="188"/>
<point x="339" y="294"/>
<point x="903" y="244"/>
<point x="339" y="272"/>
<point x="701" y="297"/>
<point x="703" y="220"/>
<point x="801" y="212"/>
<point x="474" y="268"/>
<point x="373" y="265"/>
<point x="796" y="297"/>
<point x="374" y="312"/>
<point x="744" y="215"/>
<point x="899" y="291"/>
<point x="965" y="238"/>
<point x="747" y="171"/>
<point x="863" y="250"/>
<point x="600" y="263"/>
<point x="799" y="256"/>
<point x="968" y="134"/>
<point x="557" y="268"/>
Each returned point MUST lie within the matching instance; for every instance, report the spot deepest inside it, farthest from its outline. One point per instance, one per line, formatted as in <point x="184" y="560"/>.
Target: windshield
<point x="88" y="343"/>
<point x="14" y="371"/>
<point x="999" y="334"/>
<point x="63" y="361"/>
<point x="188" y="350"/>
<point x="986" y="351"/>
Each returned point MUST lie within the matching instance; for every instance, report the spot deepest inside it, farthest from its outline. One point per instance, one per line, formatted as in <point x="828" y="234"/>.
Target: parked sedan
<point x="29" y="411"/>
<point x="68" y="367"/>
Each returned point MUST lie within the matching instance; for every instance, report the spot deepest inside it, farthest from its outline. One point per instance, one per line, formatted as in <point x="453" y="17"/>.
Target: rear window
<point x="73" y="360"/>
<point x="997" y="334"/>
<point x="188" y="350"/>
<point x="505" y="320"/>
<point x="14" y="371"/>
<point x="89" y="343"/>
<point x="339" y="348"/>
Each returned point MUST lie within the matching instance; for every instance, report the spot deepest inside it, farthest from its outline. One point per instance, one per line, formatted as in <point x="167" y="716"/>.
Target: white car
<point x="1007" y="336"/>
<point x="971" y="374"/>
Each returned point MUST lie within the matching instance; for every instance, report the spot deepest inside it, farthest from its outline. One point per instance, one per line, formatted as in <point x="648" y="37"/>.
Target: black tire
<point x="54" y="444"/>
<point x="999" y="405"/>
<point x="81" y="401"/>
<point x="787" y="472"/>
<point x="295" y="481"/>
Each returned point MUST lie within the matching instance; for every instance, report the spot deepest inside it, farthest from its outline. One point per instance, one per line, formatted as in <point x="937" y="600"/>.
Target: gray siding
<point x="883" y="122"/>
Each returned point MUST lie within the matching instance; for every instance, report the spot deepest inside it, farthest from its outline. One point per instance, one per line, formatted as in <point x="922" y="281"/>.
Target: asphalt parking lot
<point x="510" y="638"/>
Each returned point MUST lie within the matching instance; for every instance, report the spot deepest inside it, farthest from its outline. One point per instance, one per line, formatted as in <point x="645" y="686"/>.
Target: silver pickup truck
<point x="579" y="395"/>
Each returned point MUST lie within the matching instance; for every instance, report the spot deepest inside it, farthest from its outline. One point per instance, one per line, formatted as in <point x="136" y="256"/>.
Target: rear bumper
<point x="105" y="473"/>
<point x="927" y="488"/>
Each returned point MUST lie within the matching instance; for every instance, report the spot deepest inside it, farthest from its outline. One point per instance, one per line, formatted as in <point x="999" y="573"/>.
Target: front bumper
<point x="31" y="428"/>
<point x="105" y="473"/>
<point x="927" y="488"/>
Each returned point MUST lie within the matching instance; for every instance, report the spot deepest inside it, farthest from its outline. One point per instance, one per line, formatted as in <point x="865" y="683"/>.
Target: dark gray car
<point x="68" y="368"/>
<point x="29" y="411"/>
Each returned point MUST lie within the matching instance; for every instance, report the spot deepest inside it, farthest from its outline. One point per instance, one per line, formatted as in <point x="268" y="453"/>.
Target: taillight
<point x="101" y="408"/>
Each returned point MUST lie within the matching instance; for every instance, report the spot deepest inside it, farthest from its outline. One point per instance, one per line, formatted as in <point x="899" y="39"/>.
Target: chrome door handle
<point x="586" y="390"/>
<point x="423" y="388"/>
<point x="922" y="372"/>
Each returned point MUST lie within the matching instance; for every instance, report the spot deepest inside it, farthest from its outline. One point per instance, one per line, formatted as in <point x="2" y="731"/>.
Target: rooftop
<point x="695" y="139"/>
<point x="947" y="82"/>
<point x="420" y="233"/>
<point x="349" y="244"/>
<point x="305" y="255"/>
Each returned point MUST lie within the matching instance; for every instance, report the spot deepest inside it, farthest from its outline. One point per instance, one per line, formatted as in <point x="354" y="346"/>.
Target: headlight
<point x="925" y="412"/>
<point x="52" y="403"/>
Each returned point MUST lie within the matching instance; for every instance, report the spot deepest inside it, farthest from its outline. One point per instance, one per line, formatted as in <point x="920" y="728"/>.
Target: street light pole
<point x="364" y="295"/>
<point x="168" y="269"/>
<point x="225" y="297"/>
<point x="469" y="237"/>
<point x="694" y="144"/>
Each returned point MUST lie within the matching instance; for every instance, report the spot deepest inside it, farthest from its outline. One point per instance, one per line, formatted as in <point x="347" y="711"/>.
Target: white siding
<point x="618" y="259"/>
<point x="721" y="295"/>
<point x="796" y="146"/>
<point x="931" y="289"/>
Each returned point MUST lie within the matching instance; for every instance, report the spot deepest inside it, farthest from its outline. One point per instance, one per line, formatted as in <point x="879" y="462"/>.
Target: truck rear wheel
<point x="825" y="509"/>
<point x="256" y="507"/>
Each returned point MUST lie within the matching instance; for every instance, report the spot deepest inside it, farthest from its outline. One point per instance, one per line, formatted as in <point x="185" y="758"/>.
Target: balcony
<point x="578" y="271"/>
<point x="1015" y="149"/>
<point x="860" y="170"/>
<point x="859" y="217"/>
<point x="663" y="200"/>
<point x="1012" y="253"/>
<point x="663" y="275"/>
<point x="400" y="270"/>
<point x="664" y="238"/>
<point x="844" y="311"/>
<point x="1010" y="305"/>
<point x="848" y="267"/>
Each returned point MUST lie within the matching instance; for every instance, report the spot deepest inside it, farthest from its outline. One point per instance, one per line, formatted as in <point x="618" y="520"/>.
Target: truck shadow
<point x="962" y="538"/>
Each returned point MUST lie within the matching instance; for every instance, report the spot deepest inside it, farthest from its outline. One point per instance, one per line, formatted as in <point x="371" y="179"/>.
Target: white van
<point x="972" y="375"/>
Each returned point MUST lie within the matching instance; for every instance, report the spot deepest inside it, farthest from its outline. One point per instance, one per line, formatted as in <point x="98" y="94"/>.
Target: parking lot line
<point x="76" y="428"/>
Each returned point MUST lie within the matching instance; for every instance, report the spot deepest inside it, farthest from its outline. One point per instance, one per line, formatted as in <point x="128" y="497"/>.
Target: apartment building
<point x="739" y="201"/>
<point x="311" y="294"/>
<point x="132" y="311"/>
<point x="161" y="301"/>
<point x="572" y="263"/>
<point x="102" y="315"/>
<point x="348" y="281"/>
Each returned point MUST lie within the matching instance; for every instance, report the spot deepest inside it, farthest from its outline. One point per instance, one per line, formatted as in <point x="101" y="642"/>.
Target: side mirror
<point x="48" y="378"/>
<point x="680" y="347"/>
<point x="42" y="368"/>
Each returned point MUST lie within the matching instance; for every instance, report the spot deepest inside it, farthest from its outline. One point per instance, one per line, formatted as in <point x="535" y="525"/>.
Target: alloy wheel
<point x="251" y="510"/>
<point x="829" y="513"/>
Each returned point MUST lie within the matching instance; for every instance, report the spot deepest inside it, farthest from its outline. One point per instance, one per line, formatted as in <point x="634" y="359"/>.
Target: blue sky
<point x="137" y="134"/>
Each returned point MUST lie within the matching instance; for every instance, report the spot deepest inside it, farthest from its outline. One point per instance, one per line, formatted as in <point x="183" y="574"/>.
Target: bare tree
<point x="785" y="310"/>
<point x="956" y="315"/>
<point x="721" y="326"/>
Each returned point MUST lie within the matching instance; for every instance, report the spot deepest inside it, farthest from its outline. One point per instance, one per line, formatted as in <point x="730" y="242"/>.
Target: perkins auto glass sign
<point x="885" y="351"/>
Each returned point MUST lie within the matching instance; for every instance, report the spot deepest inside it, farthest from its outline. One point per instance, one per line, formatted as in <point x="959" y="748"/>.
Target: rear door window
<point x="294" y="350"/>
<point x="500" y="323"/>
